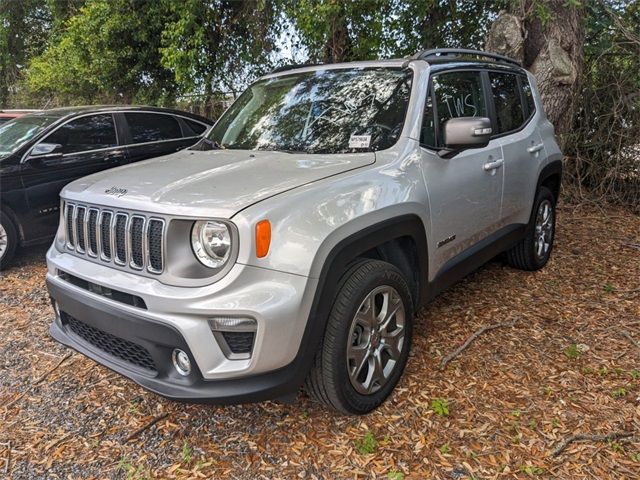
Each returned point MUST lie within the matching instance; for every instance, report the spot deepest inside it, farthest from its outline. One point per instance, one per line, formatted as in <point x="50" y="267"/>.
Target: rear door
<point x="153" y="134"/>
<point x="89" y="145"/>
<point x="522" y="147"/>
<point x="464" y="192"/>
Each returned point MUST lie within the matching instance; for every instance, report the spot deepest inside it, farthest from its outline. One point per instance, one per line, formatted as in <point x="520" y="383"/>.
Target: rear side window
<point x="197" y="128"/>
<point x="528" y="97"/>
<point x="508" y="103"/>
<point x="457" y="94"/>
<point x="152" y="127"/>
<point x="85" y="133"/>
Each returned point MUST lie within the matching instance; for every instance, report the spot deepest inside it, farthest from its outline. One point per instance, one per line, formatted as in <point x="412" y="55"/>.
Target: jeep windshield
<point x="17" y="132"/>
<point x="324" y="111"/>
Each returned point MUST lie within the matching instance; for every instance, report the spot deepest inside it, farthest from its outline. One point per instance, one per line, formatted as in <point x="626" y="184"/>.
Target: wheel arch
<point x="551" y="177"/>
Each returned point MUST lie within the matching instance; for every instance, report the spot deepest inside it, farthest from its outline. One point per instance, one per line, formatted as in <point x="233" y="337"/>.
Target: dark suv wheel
<point x="534" y="250"/>
<point x="367" y="340"/>
<point x="8" y="240"/>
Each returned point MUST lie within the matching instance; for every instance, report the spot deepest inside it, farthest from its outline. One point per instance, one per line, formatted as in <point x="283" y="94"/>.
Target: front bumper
<point x="177" y="318"/>
<point x="159" y="340"/>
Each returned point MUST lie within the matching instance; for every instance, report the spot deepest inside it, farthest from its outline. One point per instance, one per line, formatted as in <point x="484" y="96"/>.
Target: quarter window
<point x="152" y="127"/>
<point x="528" y="97"/>
<point x="457" y="94"/>
<point x="85" y="133"/>
<point x="508" y="103"/>
<point x="196" y="127"/>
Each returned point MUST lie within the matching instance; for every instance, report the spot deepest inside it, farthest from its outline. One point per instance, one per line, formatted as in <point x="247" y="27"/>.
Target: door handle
<point x="492" y="165"/>
<point x="535" y="148"/>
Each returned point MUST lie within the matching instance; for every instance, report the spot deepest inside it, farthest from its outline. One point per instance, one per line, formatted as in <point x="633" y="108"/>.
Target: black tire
<point x="329" y="381"/>
<point x="524" y="255"/>
<point x="11" y="234"/>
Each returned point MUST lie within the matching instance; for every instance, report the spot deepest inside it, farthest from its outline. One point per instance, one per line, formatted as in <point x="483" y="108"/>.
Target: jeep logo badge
<point x="115" y="191"/>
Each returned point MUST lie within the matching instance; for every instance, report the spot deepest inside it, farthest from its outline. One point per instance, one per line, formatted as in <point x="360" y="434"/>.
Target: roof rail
<point x="442" y="53"/>
<point x="293" y="66"/>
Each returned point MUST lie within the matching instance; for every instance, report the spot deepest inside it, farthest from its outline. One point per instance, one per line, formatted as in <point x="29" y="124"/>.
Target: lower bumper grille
<point x="118" y="347"/>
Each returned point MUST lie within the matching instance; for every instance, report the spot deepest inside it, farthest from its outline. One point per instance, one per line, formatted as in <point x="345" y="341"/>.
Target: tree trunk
<point x="338" y="47"/>
<point x="548" y="38"/>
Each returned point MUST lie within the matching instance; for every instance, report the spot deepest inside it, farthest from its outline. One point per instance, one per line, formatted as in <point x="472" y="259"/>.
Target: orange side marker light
<point x="263" y="238"/>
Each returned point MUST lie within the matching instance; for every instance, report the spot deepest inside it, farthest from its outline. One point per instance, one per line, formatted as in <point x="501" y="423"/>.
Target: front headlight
<point x="211" y="242"/>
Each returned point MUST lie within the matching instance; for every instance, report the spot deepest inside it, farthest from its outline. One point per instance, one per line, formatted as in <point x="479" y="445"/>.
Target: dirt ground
<point x="570" y="365"/>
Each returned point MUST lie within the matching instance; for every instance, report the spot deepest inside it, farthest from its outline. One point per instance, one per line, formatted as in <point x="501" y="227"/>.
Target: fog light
<point x="181" y="362"/>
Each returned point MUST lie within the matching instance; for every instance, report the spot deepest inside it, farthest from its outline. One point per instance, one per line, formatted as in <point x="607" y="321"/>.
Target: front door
<point x="89" y="145"/>
<point x="465" y="192"/>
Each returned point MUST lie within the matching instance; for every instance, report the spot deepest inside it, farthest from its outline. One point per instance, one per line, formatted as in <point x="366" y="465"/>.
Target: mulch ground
<point x="570" y="365"/>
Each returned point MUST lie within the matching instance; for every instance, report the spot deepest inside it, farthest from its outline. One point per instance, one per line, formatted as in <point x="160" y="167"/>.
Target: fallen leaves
<point x="513" y="397"/>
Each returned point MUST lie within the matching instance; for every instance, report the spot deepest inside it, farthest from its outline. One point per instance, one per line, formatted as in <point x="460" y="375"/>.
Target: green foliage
<point x="572" y="352"/>
<point x="186" y="454"/>
<point x="395" y="475"/>
<point x="445" y="448"/>
<point x="440" y="406"/>
<point x="531" y="470"/>
<point x="619" y="392"/>
<point x="609" y="288"/>
<point x="634" y="374"/>
<point x="367" y="444"/>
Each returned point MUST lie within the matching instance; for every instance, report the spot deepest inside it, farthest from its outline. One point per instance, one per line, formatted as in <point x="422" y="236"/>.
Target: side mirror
<point x="46" y="149"/>
<point x="465" y="132"/>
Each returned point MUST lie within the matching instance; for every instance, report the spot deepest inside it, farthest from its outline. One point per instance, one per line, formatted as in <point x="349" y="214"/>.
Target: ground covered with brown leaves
<point x="570" y="365"/>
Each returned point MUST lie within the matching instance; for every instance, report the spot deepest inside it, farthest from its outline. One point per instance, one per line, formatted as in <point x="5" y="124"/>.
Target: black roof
<point x="65" y="112"/>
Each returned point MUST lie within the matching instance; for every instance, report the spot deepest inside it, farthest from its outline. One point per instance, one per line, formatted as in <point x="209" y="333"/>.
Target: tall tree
<point x="547" y="36"/>
<point x="109" y="51"/>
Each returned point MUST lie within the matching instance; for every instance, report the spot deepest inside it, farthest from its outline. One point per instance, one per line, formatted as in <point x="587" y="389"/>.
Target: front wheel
<point x="534" y="250"/>
<point x="366" y="342"/>
<point x="8" y="240"/>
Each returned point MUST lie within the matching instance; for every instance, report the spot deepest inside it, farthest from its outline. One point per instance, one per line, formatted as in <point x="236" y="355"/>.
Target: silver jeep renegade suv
<point x="292" y="245"/>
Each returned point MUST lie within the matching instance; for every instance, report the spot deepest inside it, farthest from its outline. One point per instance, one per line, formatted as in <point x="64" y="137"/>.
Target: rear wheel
<point x="534" y="250"/>
<point x="8" y="240"/>
<point x="367" y="340"/>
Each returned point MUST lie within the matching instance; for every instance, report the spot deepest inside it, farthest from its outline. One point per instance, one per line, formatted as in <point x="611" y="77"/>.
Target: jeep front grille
<point x="119" y="238"/>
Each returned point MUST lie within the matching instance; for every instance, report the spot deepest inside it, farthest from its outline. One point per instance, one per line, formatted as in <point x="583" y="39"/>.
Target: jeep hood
<point x="215" y="183"/>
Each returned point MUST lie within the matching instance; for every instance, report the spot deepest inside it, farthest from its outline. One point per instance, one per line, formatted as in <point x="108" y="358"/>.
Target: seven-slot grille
<point x="127" y="240"/>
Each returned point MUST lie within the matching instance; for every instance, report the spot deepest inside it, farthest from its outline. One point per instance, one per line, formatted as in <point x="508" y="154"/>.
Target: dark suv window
<point x="152" y="127"/>
<point x="196" y="127"/>
<point x="85" y="133"/>
<point x="457" y="94"/>
<point x="506" y="95"/>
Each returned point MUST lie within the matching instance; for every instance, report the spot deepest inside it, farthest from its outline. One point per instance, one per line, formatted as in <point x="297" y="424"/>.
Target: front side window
<point x="506" y="96"/>
<point x="456" y="94"/>
<point x="152" y="127"/>
<point x="324" y="111"/>
<point x="92" y="132"/>
<point x="17" y="132"/>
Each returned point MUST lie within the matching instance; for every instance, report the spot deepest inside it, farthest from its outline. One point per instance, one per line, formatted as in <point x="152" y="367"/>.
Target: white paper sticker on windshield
<point x="359" y="141"/>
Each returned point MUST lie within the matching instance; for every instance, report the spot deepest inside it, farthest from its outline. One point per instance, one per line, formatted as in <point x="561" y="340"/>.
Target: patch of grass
<point x="186" y="454"/>
<point x="609" y="288"/>
<point x="603" y="372"/>
<point x="619" y="392"/>
<point x="634" y="374"/>
<point x="616" y="447"/>
<point x="445" y="448"/>
<point x="572" y="352"/>
<point x="618" y="371"/>
<point x="440" y="406"/>
<point x="516" y="413"/>
<point x="533" y="424"/>
<point x="367" y="444"/>
<point x="131" y="473"/>
<point x="635" y="456"/>
<point x="555" y="423"/>
<point x="395" y="475"/>
<point x="531" y="470"/>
